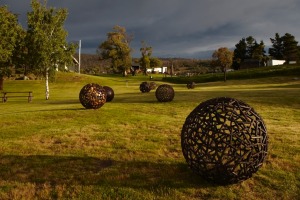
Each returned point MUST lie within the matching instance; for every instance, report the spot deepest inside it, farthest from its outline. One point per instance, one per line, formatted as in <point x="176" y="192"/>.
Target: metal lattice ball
<point x="152" y="85"/>
<point x="110" y="94"/>
<point x="92" y="96"/>
<point x="164" y="93"/>
<point x="224" y="140"/>
<point x="145" y="87"/>
<point x="191" y="85"/>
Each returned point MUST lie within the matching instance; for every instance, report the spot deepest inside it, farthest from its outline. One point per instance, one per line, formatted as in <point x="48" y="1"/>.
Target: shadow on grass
<point x="56" y="170"/>
<point x="65" y="101"/>
<point x="135" y="98"/>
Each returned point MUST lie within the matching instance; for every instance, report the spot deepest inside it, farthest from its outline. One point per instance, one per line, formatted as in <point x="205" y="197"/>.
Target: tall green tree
<point x="46" y="41"/>
<point x="251" y="45"/>
<point x="9" y="32"/>
<point x="276" y="51"/>
<point x="290" y="50"/>
<point x="19" y="59"/>
<point x="146" y="52"/>
<point x="248" y="48"/>
<point x="240" y="53"/>
<point x="155" y="62"/>
<point x="223" y="57"/>
<point x="259" y="53"/>
<point x="116" y="49"/>
<point x="285" y="47"/>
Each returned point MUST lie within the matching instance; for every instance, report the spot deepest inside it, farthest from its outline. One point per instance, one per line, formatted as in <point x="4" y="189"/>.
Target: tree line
<point x="283" y="48"/>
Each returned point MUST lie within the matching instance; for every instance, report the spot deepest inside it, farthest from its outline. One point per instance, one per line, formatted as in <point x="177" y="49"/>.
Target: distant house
<point x="275" y="62"/>
<point x="250" y="63"/>
<point x="161" y="70"/>
<point x="135" y="68"/>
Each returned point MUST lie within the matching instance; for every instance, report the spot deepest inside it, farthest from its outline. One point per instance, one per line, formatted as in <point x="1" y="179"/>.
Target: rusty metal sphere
<point x="191" y="85"/>
<point x="110" y="94"/>
<point x="145" y="87"/>
<point x="152" y="85"/>
<point x="92" y="96"/>
<point x="224" y="140"/>
<point x="165" y="93"/>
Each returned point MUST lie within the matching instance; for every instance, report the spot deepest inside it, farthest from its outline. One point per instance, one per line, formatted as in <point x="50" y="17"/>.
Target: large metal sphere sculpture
<point x="164" y="93"/>
<point x="92" y="96"/>
<point x="224" y="140"/>
<point x="110" y="94"/>
<point x="191" y="85"/>
<point x="145" y="87"/>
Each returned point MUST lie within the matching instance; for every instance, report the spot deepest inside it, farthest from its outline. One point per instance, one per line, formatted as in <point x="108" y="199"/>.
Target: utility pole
<point x="79" y="56"/>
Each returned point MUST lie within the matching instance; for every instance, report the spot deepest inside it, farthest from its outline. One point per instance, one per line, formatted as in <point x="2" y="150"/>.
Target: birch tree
<point x="46" y="41"/>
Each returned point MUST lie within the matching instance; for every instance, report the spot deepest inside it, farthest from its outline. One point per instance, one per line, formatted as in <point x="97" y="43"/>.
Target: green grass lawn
<point x="130" y="147"/>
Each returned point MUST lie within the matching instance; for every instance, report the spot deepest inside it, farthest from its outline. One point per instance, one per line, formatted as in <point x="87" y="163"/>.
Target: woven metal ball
<point x="152" y="85"/>
<point x="224" y="140"/>
<point x="110" y="94"/>
<point x="92" y="96"/>
<point x="191" y="85"/>
<point x="164" y="93"/>
<point x="145" y="87"/>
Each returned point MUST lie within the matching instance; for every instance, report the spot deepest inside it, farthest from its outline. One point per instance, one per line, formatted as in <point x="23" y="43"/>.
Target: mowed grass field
<point x="130" y="148"/>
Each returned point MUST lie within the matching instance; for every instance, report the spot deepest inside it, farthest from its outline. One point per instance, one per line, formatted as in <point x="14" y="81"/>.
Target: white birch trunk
<point x="47" y="83"/>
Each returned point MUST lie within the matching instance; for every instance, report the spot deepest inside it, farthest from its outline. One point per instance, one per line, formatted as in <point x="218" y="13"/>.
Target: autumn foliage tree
<point x="223" y="57"/>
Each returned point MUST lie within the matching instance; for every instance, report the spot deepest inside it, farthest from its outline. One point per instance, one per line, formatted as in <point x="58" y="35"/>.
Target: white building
<point x="160" y="69"/>
<point x="275" y="62"/>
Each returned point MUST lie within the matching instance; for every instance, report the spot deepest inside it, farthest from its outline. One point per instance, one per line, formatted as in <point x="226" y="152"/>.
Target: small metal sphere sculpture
<point x="191" y="85"/>
<point x="110" y="94"/>
<point x="165" y="93"/>
<point x="152" y="85"/>
<point x="92" y="96"/>
<point x="224" y="140"/>
<point x="145" y="87"/>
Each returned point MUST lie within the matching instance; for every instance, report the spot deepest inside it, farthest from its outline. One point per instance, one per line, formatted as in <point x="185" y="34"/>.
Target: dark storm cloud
<point x="182" y="28"/>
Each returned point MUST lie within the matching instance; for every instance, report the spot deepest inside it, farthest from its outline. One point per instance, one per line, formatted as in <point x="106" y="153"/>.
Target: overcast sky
<point x="174" y="28"/>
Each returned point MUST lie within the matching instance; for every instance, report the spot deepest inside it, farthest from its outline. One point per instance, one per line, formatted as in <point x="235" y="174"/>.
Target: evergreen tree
<point x="284" y="47"/>
<point x="290" y="50"/>
<point x="239" y="53"/>
<point x="276" y="51"/>
<point x="258" y="52"/>
<point x="248" y="48"/>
